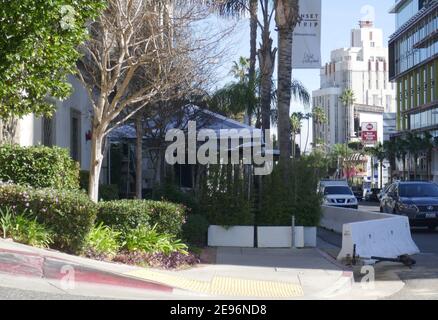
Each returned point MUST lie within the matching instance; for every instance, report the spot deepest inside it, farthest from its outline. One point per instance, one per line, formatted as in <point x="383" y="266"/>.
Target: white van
<point x="337" y="193"/>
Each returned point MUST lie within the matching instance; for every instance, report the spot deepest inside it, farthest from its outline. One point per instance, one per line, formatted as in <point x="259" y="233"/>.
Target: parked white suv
<point x="338" y="194"/>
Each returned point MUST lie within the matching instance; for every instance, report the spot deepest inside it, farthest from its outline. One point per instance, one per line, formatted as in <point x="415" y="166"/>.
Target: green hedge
<point x="170" y="192"/>
<point x="107" y="192"/>
<point x="39" y="167"/>
<point x="70" y="214"/>
<point x="195" y="230"/>
<point x="224" y="198"/>
<point x="291" y="190"/>
<point x="125" y="215"/>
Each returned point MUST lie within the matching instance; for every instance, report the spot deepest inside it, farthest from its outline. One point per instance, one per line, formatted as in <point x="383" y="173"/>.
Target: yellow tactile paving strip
<point x="224" y="286"/>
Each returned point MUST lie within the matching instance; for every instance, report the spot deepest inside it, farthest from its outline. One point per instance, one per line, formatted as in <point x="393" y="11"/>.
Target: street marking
<point x="224" y="286"/>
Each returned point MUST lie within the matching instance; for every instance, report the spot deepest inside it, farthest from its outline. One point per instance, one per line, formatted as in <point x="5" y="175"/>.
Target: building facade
<point x="70" y="126"/>
<point x="362" y="68"/>
<point x="414" y="68"/>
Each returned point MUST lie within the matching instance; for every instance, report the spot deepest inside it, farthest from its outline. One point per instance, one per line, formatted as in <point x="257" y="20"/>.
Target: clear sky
<point x="338" y="18"/>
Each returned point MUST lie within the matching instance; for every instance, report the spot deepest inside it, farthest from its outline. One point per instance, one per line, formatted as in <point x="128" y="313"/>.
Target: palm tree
<point x="428" y="144"/>
<point x="286" y="18"/>
<point x="401" y="153"/>
<point x="390" y="148"/>
<point x="379" y="153"/>
<point x="414" y="147"/>
<point x="348" y="99"/>
<point x="240" y="69"/>
<point x="319" y="118"/>
<point x="266" y="55"/>
<point x="340" y="153"/>
<point x="237" y="8"/>
<point x="236" y="98"/>
<point x="295" y="124"/>
<point x="307" y="117"/>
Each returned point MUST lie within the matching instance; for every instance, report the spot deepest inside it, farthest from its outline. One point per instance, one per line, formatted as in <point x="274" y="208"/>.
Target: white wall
<point x="30" y="127"/>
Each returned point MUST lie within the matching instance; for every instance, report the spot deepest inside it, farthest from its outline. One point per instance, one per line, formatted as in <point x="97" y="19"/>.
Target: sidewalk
<point x="238" y="274"/>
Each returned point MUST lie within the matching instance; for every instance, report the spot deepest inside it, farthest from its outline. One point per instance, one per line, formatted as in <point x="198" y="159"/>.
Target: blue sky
<point x="338" y="18"/>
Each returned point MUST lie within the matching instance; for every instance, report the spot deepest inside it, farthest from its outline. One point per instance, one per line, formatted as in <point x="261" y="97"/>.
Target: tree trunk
<point x="285" y="38"/>
<point x="267" y="62"/>
<point x="352" y="133"/>
<point x="9" y="131"/>
<point x="253" y="7"/>
<point x="139" y="157"/>
<point x="381" y="174"/>
<point x="95" y="164"/>
<point x="404" y="168"/>
<point x="415" y="167"/>
<point x="307" y="138"/>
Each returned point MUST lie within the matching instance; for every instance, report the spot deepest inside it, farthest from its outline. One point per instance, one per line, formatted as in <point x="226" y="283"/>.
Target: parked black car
<point x="416" y="200"/>
<point x="373" y="195"/>
<point x="358" y="192"/>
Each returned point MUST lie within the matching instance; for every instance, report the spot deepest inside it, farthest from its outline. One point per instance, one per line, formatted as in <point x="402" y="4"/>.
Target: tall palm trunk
<point x="381" y="174"/>
<point x="404" y="167"/>
<point x="352" y="133"/>
<point x="307" y="138"/>
<point x="285" y="38"/>
<point x="266" y="57"/>
<point x="286" y="17"/>
<point x="253" y="8"/>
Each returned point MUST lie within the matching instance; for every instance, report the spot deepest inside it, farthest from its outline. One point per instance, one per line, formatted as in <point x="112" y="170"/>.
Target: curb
<point x="343" y="285"/>
<point x="45" y="267"/>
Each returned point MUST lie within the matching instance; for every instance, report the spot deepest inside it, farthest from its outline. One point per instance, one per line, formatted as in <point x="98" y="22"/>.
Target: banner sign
<point x="369" y="133"/>
<point x="306" y="52"/>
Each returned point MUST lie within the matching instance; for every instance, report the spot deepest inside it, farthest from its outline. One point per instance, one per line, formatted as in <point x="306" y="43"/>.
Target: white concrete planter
<point x="274" y="237"/>
<point x="310" y="237"/>
<point x="299" y="237"/>
<point x="236" y="236"/>
<point x="305" y="237"/>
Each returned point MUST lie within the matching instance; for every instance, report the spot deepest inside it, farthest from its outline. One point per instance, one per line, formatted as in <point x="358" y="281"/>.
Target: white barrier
<point x="334" y="218"/>
<point x="386" y="238"/>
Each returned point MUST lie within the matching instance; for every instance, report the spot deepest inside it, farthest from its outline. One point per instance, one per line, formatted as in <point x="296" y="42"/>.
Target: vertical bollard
<point x="293" y="232"/>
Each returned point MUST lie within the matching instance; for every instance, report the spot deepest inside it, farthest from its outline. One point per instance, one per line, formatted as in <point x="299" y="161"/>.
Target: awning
<point x="357" y="157"/>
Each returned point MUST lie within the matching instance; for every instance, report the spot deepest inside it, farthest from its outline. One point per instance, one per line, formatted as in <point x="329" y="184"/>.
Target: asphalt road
<point x="421" y="282"/>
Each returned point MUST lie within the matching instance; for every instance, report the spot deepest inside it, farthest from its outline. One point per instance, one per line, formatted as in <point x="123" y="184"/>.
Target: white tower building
<point x="362" y="68"/>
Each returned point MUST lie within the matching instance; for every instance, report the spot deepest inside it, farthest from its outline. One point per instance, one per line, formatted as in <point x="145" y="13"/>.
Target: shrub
<point x="290" y="190"/>
<point x="125" y="215"/>
<point x="6" y="221"/>
<point x="224" y="200"/>
<point x="39" y="167"/>
<point x="195" y="229"/>
<point x="157" y="260"/>
<point x="106" y="192"/>
<point x="31" y="232"/>
<point x="69" y="214"/>
<point x="102" y="240"/>
<point x="170" y="192"/>
<point x="24" y="229"/>
<point x="148" y="240"/>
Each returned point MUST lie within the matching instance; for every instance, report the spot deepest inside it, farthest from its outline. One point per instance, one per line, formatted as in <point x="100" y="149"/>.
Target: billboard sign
<point x="306" y="52"/>
<point x="369" y="133"/>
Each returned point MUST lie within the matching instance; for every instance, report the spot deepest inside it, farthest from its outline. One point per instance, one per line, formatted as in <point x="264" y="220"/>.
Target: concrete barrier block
<point x="387" y="238"/>
<point x="334" y="218"/>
